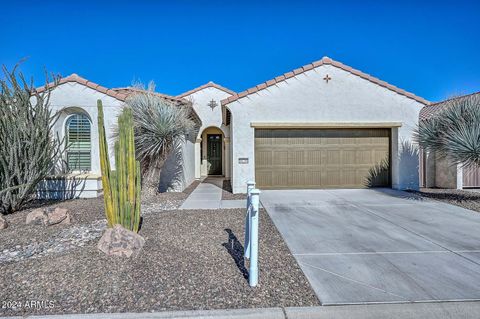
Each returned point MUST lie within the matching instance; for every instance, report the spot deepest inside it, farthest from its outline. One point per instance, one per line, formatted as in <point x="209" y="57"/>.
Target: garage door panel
<point x="265" y="177"/>
<point x="298" y="178"/>
<point x="296" y="158"/>
<point x="313" y="157"/>
<point x="322" y="158"/>
<point x="265" y="157"/>
<point x="280" y="178"/>
<point x="313" y="178"/>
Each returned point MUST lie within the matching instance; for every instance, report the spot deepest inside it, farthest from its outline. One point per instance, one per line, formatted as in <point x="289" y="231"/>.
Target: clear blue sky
<point x="431" y="48"/>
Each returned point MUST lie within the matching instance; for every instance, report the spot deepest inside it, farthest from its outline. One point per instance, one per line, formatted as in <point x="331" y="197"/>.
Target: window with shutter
<point x="78" y="135"/>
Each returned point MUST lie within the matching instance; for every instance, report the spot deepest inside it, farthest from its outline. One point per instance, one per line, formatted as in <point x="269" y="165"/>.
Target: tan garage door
<point x="322" y="158"/>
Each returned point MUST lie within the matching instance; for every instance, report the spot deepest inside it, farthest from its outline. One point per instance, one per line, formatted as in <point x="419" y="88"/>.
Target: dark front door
<point x="214" y="154"/>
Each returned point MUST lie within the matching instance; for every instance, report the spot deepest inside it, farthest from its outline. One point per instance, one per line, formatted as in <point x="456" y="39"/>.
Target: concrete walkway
<point x="379" y="245"/>
<point x="464" y="310"/>
<point x="208" y="195"/>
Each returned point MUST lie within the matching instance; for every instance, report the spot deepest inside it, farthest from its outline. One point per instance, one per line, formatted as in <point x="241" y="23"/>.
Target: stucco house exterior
<point x="322" y="125"/>
<point x="436" y="171"/>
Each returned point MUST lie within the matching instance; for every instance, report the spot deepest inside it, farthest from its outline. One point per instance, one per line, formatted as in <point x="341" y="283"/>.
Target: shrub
<point x="454" y="132"/>
<point x="28" y="147"/>
<point x="160" y="126"/>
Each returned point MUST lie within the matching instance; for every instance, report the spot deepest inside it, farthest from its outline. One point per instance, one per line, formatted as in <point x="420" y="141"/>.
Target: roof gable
<point x="207" y="85"/>
<point x="323" y="61"/>
<point x="78" y="79"/>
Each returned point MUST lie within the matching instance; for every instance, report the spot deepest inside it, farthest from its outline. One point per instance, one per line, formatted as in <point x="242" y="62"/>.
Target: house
<point x="436" y="171"/>
<point x="323" y="125"/>
<point x="74" y="99"/>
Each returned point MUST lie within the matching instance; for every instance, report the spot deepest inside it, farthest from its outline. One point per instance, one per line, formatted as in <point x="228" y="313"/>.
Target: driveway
<point x="379" y="245"/>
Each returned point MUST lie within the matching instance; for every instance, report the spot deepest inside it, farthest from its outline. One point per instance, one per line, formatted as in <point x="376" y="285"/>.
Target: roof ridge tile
<point x="325" y="61"/>
<point x="207" y="85"/>
<point x="78" y="79"/>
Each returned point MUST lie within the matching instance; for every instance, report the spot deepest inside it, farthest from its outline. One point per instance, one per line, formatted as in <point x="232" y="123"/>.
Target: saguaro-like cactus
<point x="121" y="187"/>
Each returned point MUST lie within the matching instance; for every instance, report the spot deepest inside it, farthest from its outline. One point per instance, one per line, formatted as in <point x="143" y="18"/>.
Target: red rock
<point x="118" y="241"/>
<point x="36" y="216"/>
<point x="58" y="216"/>
<point x="3" y="223"/>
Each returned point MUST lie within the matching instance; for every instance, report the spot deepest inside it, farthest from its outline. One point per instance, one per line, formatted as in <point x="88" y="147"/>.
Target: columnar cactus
<point x="121" y="187"/>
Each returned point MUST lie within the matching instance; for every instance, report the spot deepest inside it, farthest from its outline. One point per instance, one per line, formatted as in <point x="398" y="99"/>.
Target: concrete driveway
<point x="376" y="246"/>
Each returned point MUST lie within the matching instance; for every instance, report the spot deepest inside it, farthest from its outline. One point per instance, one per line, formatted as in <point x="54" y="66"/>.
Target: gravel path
<point x="191" y="260"/>
<point x="463" y="198"/>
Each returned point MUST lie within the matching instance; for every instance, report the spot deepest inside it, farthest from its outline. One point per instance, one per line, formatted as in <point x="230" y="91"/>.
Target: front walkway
<point x="208" y="195"/>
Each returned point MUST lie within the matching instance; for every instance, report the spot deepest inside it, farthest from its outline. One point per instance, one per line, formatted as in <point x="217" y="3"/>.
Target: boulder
<point x="58" y="216"/>
<point x="118" y="241"/>
<point x="3" y="223"/>
<point x="36" y="216"/>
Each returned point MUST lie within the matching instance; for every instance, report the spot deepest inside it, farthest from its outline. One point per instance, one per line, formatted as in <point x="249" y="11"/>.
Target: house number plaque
<point x="243" y="160"/>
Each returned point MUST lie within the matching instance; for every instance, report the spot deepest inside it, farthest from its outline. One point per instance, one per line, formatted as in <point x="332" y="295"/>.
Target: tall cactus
<point x="121" y="187"/>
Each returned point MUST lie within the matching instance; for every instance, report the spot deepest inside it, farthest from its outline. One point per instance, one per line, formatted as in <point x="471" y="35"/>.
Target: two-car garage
<point x="322" y="158"/>
<point x="324" y="125"/>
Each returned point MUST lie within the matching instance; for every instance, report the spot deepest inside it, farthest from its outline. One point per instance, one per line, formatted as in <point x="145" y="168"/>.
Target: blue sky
<point x="431" y="49"/>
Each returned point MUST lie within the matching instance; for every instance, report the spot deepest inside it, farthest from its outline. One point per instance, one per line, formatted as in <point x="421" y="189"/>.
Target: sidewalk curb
<point x="253" y="313"/>
<point x="437" y="310"/>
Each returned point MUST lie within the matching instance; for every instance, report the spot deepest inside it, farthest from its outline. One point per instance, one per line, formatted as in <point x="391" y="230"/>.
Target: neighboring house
<point x="439" y="172"/>
<point x="324" y="125"/>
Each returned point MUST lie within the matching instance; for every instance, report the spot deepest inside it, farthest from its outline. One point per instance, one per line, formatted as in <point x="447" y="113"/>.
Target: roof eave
<point x="311" y="66"/>
<point x="78" y="79"/>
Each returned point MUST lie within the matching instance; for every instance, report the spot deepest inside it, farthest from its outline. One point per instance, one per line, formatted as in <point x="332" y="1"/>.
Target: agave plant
<point x="160" y="126"/>
<point x="454" y="132"/>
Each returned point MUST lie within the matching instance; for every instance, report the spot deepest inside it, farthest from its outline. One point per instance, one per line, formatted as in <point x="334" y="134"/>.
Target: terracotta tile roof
<point x="78" y="79"/>
<point x="176" y="100"/>
<point x="323" y="61"/>
<point x="130" y="90"/>
<point x="209" y="84"/>
<point x="435" y="108"/>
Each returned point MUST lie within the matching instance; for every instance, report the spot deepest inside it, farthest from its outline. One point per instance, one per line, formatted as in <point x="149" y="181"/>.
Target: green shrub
<point x="160" y="127"/>
<point x="454" y="132"/>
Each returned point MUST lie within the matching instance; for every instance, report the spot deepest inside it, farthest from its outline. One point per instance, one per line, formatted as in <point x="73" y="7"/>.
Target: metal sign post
<point x="253" y="271"/>
<point x="246" y="252"/>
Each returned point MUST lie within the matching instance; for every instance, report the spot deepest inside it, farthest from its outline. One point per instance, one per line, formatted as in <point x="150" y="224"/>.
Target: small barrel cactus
<point x="122" y="186"/>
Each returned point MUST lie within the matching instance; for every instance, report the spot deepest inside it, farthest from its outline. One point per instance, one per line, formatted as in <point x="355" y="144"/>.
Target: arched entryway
<point x="212" y="153"/>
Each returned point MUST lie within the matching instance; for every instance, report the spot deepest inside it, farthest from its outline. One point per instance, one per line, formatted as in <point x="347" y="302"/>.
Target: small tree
<point x="454" y="132"/>
<point x="160" y="127"/>
<point x="28" y="148"/>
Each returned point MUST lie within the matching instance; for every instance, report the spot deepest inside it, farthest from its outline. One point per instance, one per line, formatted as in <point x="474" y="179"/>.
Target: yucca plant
<point x="453" y="133"/>
<point x="122" y="186"/>
<point x="160" y="126"/>
<point x="28" y="146"/>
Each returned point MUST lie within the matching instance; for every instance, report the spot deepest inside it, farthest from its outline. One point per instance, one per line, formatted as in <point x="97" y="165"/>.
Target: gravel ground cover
<point x="167" y="200"/>
<point x="227" y="192"/>
<point x="191" y="260"/>
<point x="468" y="199"/>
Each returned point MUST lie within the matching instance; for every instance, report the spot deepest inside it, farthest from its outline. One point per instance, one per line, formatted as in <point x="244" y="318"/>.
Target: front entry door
<point x="214" y="154"/>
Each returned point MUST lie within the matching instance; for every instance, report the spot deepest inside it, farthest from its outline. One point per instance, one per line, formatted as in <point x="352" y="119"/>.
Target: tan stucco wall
<point x="445" y="173"/>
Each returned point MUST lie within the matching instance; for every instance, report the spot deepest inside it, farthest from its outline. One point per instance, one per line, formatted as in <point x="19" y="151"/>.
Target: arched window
<point x="78" y="138"/>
